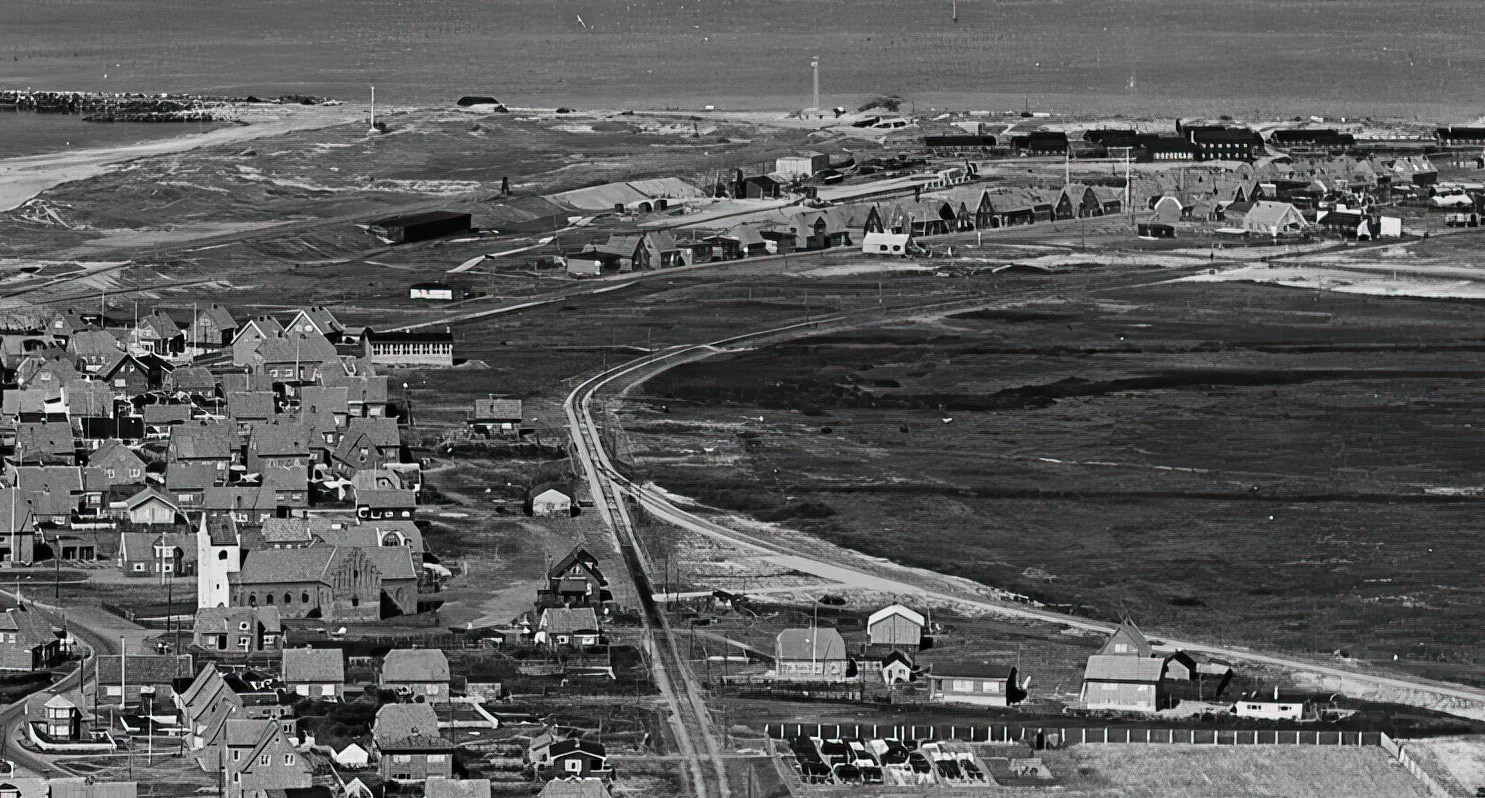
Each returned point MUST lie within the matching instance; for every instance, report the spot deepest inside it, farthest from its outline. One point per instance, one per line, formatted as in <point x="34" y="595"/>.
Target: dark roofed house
<point x="385" y="504"/>
<point x="578" y="759"/>
<point x="421" y="674"/>
<point x="1127" y="640"/>
<point x="817" y="654"/>
<point x="160" y="334"/>
<point x="250" y="407"/>
<point x="27" y="642"/>
<point x="211" y="443"/>
<point x="973" y="683"/>
<point x="187" y="483"/>
<point x="294" y="357"/>
<point x="284" y="444"/>
<point x="244" y="630"/>
<point x="45" y="443"/>
<point x="412" y="748"/>
<point x="497" y="417"/>
<point x="194" y="380"/>
<point x="1120" y="682"/>
<point x="126" y="376"/>
<point x="214" y="327"/>
<point x="126" y="680"/>
<point x="317" y="673"/>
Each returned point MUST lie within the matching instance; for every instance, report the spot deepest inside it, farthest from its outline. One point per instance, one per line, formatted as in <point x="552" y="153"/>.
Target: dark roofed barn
<point x="420" y="226"/>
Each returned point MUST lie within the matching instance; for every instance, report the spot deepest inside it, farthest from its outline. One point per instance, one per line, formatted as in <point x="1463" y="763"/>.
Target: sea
<point x="1247" y="58"/>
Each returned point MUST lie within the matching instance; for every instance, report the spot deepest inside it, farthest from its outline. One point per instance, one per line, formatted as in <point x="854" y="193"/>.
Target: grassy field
<point x="1136" y="771"/>
<point x="1243" y="464"/>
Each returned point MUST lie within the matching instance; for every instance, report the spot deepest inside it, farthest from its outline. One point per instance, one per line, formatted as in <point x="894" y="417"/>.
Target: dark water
<point x="33" y="134"/>
<point x="1246" y="57"/>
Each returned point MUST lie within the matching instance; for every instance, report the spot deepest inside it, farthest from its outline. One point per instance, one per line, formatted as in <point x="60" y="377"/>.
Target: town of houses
<point x="261" y="459"/>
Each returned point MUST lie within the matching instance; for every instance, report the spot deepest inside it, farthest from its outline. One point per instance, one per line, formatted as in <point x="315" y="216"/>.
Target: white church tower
<point x="218" y="553"/>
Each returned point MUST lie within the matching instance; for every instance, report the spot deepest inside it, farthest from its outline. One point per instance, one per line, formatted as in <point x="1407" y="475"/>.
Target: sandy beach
<point x="25" y="177"/>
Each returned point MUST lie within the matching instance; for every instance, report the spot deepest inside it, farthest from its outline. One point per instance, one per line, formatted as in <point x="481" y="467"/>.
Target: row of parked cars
<point x="858" y="761"/>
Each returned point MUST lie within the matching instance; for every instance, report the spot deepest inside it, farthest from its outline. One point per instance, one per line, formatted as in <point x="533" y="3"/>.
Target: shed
<point x="420" y="226"/>
<point x="896" y="626"/>
<point x="550" y="501"/>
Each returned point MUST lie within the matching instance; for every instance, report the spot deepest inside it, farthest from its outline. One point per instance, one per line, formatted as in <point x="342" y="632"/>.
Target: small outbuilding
<point x="550" y="501"/>
<point x="420" y="226"/>
<point x="896" y="626"/>
<point x="436" y="292"/>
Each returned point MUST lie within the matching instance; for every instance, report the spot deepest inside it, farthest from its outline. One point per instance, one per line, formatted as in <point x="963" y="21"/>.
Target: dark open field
<point x="1237" y="463"/>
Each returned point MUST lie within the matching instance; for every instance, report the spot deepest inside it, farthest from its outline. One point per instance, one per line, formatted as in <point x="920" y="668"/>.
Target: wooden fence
<point x="1400" y="753"/>
<point x="1074" y="735"/>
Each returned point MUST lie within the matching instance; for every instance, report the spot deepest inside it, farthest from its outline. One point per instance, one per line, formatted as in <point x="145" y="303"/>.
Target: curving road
<point x="1467" y="701"/>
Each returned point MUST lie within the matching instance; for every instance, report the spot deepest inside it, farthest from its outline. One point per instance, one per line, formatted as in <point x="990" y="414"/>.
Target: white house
<point x="1272" y="707"/>
<point x="806" y="164"/>
<point x="1274" y="219"/>
<point x="890" y="244"/>
<point x="437" y="292"/>
<point x="550" y="502"/>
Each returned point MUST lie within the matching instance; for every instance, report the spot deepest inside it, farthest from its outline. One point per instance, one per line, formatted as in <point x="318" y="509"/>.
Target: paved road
<point x="656" y="503"/>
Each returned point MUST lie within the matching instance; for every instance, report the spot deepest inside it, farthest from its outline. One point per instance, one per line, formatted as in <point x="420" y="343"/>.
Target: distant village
<point x="1210" y="183"/>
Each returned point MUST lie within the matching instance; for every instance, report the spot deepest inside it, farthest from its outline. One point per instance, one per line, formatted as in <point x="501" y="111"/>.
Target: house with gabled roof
<point x="260" y="757"/>
<point x="317" y="319"/>
<point x="293" y="357"/>
<point x="150" y="507"/>
<point x="284" y="444"/>
<point x="95" y="348"/>
<point x="44" y="443"/>
<point x="896" y="626"/>
<point x="88" y="399"/>
<point x="125" y="375"/>
<point x="1122" y="682"/>
<point x="811" y="654"/>
<point x="27" y="641"/>
<point x="187" y="483"/>
<point x="575" y="580"/>
<point x="1274" y="219"/>
<point x="249" y="505"/>
<point x="65" y="323"/>
<point x="249" y="335"/>
<point x="194" y="380"/>
<point x="497" y="417"/>
<point x="317" y="673"/>
<point x="125" y="679"/>
<point x="156" y="554"/>
<point x="120" y="464"/>
<point x="214" y="327"/>
<point x="981" y="684"/>
<point x="563" y="627"/>
<point x="366" y="394"/>
<point x="1127" y="640"/>
<point x="243" y="630"/>
<point x="206" y="442"/>
<point x="247" y="408"/>
<point x="419" y="674"/>
<point x="159" y="334"/>
<point x="411" y="747"/>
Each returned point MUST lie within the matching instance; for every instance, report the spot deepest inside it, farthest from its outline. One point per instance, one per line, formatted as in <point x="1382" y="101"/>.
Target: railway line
<point x="611" y="489"/>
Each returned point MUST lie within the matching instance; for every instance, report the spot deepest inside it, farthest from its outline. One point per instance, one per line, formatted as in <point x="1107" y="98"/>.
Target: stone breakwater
<point x="109" y="107"/>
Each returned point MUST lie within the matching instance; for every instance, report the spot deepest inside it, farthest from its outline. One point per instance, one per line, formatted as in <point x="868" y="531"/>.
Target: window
<point x="401" y="758"/>
<point x="963" y="686"/>
<point x="432" y="689"/>
<point x="437" y="759"/>
<point x="236" y="778"/>
<point x="120" y="383"/>
<point x="268" y="599"/>
<point x="243" y="626"/>
<point x="236" y="755"/>
<point x="288" y="598"/>
<point x="304" y="598"/>
<point x="243" y="643"/>
<point x="222" y="555"/>
<point x="265" y="759"/>
<point x="133" y="472"/>
<point x="114" y="689"/>
<point x="139" y="566"/>
<point x="573" y="766"/>
<point x="327" y="689"/>
<point x="109" y="472"/>
<point x="288" y="759"/>
<point x="989" y="687"/>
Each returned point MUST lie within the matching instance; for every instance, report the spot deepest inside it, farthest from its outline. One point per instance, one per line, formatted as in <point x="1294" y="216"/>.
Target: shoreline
<point x="22" y="178"/>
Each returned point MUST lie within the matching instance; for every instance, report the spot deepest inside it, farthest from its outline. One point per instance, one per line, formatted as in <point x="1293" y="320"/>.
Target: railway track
<point x="690" y="714"/>
<point x="689" y="718"/>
